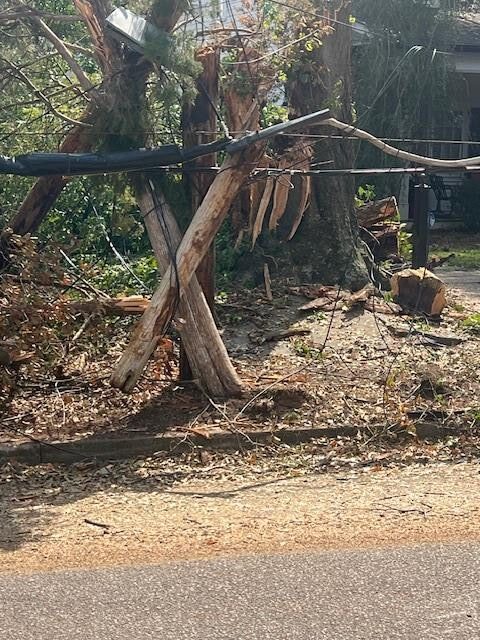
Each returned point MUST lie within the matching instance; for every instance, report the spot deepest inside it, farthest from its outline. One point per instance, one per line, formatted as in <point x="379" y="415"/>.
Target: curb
<point x="33" y="453"/>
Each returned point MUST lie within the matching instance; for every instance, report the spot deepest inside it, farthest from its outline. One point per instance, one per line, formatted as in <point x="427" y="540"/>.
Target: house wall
<point x="467" y="62"/>
<point x="472" y="86"/>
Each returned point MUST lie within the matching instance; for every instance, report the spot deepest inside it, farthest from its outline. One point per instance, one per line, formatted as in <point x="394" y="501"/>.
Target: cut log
<point x="378" y="211"/>
<point x="194" y="245"/>
<point x="419" y="291"/>
<point x="204" y="347"/>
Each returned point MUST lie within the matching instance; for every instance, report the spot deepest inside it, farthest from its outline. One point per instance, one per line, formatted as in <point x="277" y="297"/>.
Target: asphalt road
<point x="466" y="281"/>
<point x="422" y="593"/>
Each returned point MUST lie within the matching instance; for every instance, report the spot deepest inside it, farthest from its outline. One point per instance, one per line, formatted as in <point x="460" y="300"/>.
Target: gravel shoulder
<point x="53" y="518"/>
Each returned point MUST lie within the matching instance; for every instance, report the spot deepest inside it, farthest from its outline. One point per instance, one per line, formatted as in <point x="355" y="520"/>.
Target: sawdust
<point x="102" y="523"/>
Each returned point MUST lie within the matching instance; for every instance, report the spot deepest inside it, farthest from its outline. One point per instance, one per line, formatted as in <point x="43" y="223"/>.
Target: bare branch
<point x="76" y="47"/>
<point x="25" y="12"/>
<point x="63" y="50"/>
<point x="20" y="75"/>
<point x="398" y="153"/>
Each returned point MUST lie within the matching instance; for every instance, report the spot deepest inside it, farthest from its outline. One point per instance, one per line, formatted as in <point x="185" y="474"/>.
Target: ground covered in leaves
<point x="308" y="358"/>
<point x="324" y="495"/>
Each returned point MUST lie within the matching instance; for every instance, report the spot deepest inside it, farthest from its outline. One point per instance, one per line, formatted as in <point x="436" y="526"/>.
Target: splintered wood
<point x="378" y="222"/>
<point x="266" y="200"/>
<point x="207" y="355"/>
<point x="194" y="245"/>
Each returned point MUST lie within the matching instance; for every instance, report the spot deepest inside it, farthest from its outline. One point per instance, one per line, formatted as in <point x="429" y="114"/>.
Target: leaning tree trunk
<point x="326" y="247"/>
<point x="192" y="249"/>
<point x="45" y="191"/>
<point x="207" y="354"/>
<point x="199" y="125"/>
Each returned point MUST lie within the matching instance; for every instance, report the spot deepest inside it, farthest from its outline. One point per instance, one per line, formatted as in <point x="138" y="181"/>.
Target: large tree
<point x="326" y="247"/>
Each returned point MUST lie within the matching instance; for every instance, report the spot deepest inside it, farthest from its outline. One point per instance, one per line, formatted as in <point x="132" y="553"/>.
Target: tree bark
<point x="325" y="248"/>
<point x="207" y="354"/>
<point x="195" y="243"/>
<point x="197" y="119"/>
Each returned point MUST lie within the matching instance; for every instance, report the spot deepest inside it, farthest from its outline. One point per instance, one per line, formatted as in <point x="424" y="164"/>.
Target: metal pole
<point x="420" y="225"/>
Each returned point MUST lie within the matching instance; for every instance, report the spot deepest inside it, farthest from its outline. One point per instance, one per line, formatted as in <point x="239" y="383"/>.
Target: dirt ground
<point x="339" y="368"/>
<point x="151" y="512"/>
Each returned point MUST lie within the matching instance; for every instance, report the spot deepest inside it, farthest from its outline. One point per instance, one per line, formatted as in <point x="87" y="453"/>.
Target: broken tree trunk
<point x="45" y="191"/>
<point x="192" y="249"/>
<point x="207" y="354"/>
<point x="198" y="119"/>
<point x="419" y="291"/>
<point x="375" y="212"/>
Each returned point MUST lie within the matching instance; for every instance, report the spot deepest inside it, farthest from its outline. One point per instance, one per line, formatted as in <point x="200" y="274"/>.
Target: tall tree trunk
<point x="326" y="247"/>
<point x="197" y="119"/>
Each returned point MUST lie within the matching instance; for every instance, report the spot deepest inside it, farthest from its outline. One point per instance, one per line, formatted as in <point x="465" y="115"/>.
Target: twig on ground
<point x="97" y="524"/>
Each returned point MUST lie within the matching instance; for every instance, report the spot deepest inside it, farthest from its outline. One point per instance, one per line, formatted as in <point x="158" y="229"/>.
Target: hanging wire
<point x="115" y="251"/>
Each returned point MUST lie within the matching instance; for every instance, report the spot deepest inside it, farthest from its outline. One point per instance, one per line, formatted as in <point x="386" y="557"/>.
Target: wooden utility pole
<point x="420" y="225"/>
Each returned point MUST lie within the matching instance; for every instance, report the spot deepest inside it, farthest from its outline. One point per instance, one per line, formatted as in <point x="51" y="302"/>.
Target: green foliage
<point x="468" y="199"/>
<point x="365" y="193"/>
<point x="176" y="54"/>
<point x="274" y="114"/>
<point x="405" y="243"/>
<point x="115" y="280"/>
<point x="305" y="350"/>
<point x="472" y="323"/>
<point x="463" y="259"/>
<point x="465" y="248"/>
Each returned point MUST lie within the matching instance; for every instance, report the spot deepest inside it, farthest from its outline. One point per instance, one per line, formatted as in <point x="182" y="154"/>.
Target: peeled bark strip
<point x="205" y="224"/>
<point x="262" y="210"/>
<point x="207" y="354"/>
<point x="305" y="187"/>
<point x="280" y="195"/>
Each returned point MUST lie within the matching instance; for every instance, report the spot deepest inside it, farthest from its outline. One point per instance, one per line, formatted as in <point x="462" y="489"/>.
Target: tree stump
<point x="419" y="291"/>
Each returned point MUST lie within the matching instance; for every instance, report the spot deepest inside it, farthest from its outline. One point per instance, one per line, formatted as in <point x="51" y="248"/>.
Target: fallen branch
<point x="97" y="524"/>
<point x="63" y="50"/>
